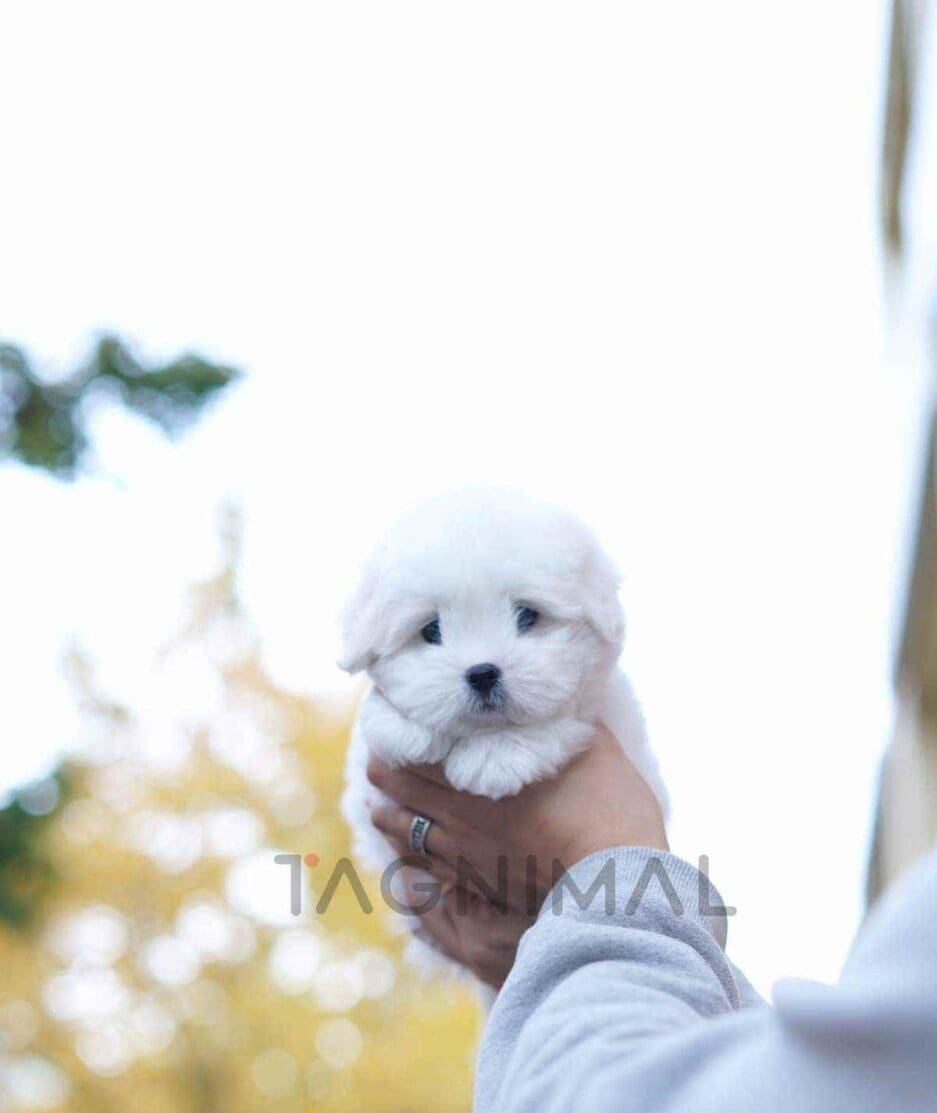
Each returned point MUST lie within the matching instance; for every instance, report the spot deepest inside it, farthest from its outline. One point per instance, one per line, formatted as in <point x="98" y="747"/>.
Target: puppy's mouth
<point x="491" y="705"/>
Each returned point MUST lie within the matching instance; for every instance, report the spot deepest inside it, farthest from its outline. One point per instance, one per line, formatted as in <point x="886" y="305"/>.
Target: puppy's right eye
<point x="527" y="618"/>
<point x="431" y="632"/>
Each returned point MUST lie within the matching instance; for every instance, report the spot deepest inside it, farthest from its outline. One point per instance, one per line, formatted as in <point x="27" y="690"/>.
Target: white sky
<point x="620" y="255"/>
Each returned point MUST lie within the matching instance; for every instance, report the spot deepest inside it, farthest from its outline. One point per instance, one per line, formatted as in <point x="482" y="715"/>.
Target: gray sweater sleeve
<point x="630" y="1004"/>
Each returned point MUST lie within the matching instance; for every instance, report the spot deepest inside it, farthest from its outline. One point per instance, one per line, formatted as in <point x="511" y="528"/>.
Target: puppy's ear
<point x="601" y="605"/>
<point x="362" y="623"/>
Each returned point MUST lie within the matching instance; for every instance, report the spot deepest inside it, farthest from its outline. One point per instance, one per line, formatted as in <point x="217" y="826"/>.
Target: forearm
<point x="591" y="990"/>
<point x="644" y="1011"/>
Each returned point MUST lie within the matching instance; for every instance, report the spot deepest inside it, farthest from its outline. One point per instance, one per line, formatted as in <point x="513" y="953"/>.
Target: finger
<point x="443" y="946"/>
<point x="412" y="791"/>
<point x="438" y="867"/>
<point x="433" y="773"/>
<point x="395" y="823"/>
<point x="444" y="856"/>
<point x="437" y="928"/>
<point x="413" y="861"/>
<point x="426" y="772"/>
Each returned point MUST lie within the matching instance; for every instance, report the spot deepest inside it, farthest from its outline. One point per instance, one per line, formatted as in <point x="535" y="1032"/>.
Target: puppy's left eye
<point x="431" y="632"/>
<point x="527" y="618"/>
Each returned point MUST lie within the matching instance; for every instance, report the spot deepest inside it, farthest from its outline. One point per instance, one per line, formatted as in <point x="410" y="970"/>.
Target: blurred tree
<point x="165" y="973"/>
<point x="26" y="872"/>
<point x="42" y="423"/>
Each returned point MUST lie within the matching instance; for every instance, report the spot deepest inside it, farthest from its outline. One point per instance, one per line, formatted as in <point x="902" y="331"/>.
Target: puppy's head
<point x="485" y="608"/>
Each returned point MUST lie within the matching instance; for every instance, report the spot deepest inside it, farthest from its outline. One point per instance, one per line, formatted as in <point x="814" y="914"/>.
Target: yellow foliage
<point x="166" y="974"/>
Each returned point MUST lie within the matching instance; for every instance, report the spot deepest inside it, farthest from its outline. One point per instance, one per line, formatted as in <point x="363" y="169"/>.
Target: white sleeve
<point x="632" y="1005"/>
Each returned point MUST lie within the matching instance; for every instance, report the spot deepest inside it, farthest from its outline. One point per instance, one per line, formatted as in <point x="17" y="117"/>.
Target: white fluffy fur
<point x="471" y="558"/>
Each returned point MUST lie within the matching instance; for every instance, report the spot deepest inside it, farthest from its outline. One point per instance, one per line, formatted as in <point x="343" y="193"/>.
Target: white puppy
<point x="490" y="627"/>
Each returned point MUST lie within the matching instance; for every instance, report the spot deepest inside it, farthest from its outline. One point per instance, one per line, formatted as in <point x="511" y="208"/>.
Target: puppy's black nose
<point x="483" y="678"/>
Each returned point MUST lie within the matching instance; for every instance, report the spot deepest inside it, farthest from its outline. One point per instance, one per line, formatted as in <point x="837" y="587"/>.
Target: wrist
<point x="649" y="831"/>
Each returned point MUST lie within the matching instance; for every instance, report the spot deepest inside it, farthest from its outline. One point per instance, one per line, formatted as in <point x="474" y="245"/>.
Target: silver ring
<point x="419" y="829"/>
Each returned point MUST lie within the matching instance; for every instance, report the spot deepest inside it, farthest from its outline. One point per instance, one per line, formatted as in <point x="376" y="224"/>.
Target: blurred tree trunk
<point x="898" y="102"/>
<point x="906" y="814"/>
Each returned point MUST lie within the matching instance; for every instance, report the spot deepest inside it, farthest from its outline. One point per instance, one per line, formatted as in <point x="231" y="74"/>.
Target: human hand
<point x="471" y="930"/>
<point x="512" y="850"/>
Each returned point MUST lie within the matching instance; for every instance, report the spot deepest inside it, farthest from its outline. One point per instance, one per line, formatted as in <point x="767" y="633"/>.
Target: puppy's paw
<point x="501" y="763"/>
<point x="394" y="738"/>
<point x="493" y="766"/>
<point x="494" y="783"/>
